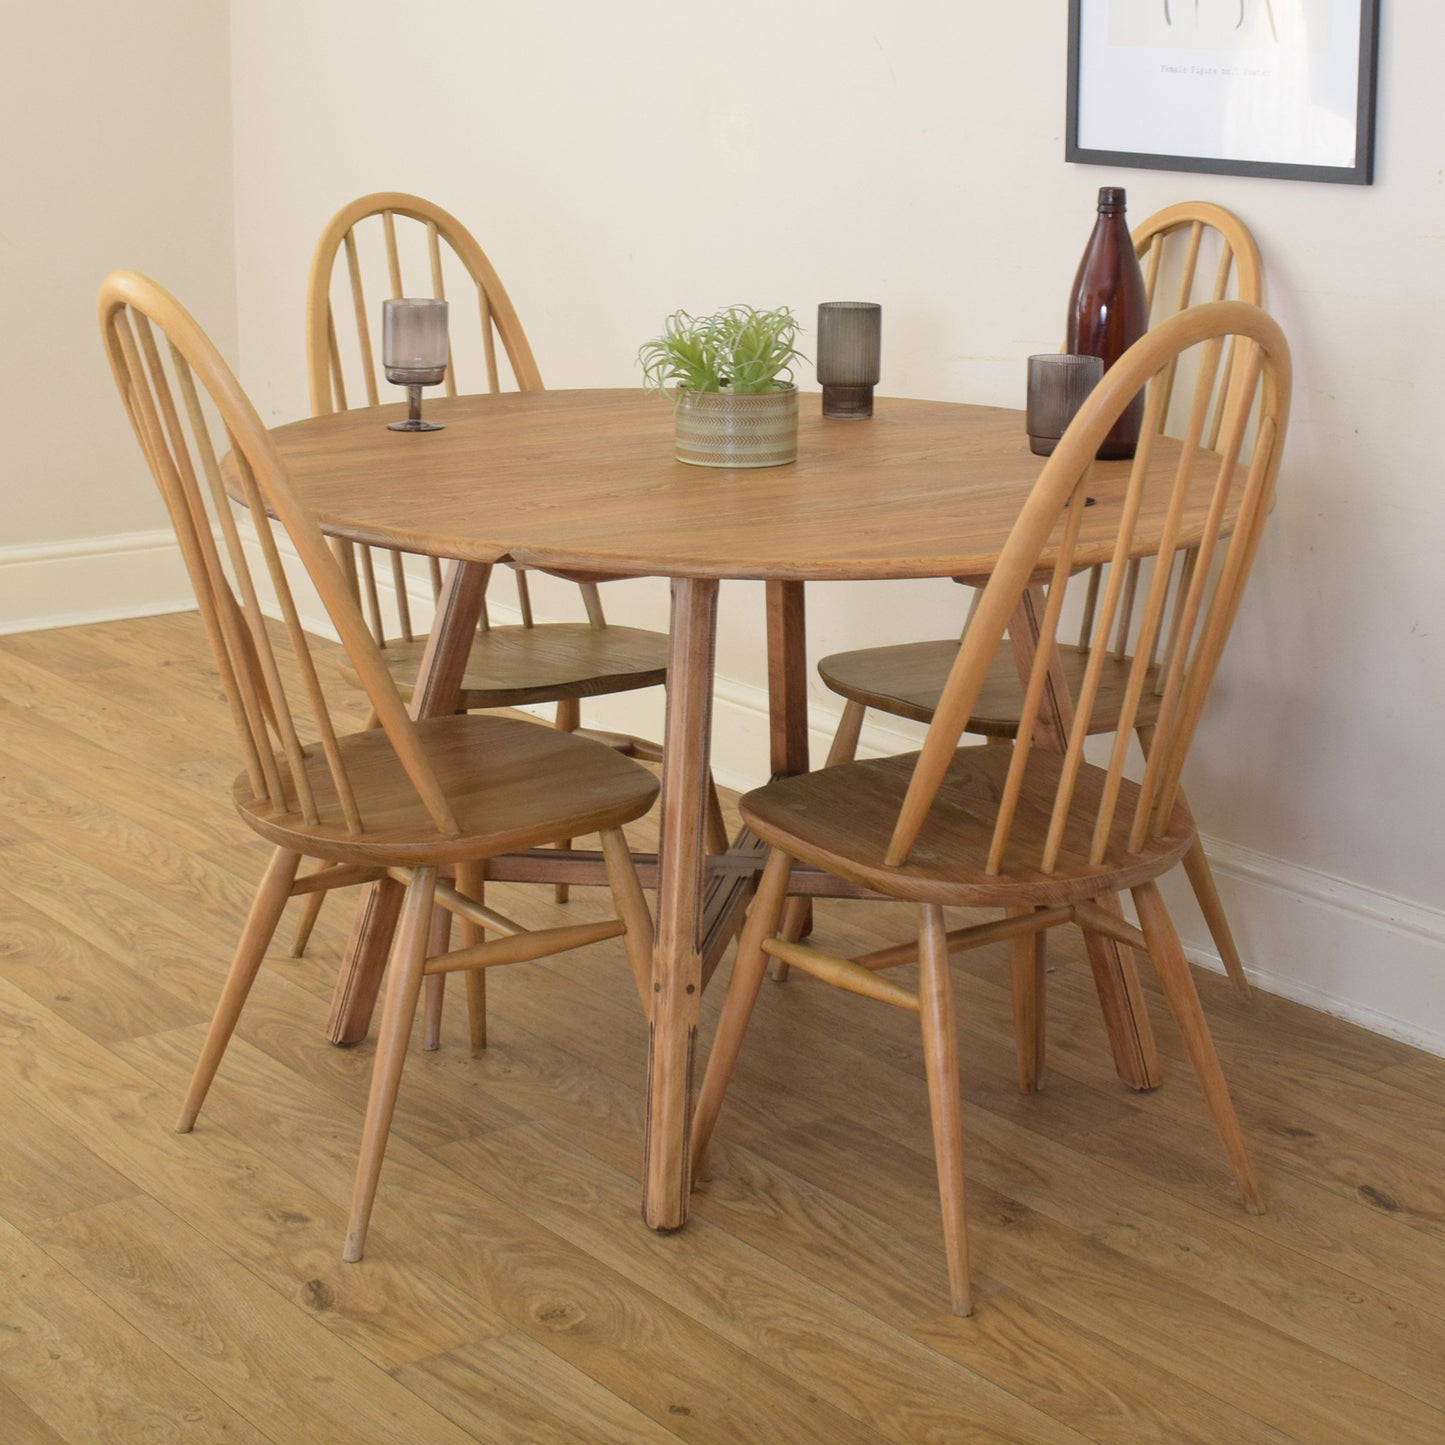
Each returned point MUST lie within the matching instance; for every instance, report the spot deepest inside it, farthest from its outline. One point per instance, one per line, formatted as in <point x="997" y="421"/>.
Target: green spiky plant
<point x="738" y="349"/>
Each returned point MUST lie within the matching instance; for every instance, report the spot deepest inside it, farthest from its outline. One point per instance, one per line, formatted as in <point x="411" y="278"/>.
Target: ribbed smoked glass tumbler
<point x="850" y="339"/>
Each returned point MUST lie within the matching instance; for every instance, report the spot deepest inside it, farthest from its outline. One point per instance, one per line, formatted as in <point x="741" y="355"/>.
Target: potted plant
<point x="733" y="373"/>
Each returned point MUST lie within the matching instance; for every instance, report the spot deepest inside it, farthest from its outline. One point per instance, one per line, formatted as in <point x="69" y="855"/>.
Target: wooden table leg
<point x="787" y="678"/>
<point x="359" y="980"/>
<point x="788" y="719"/>
<point x="438" y="688"/>
<point x="677" y="959"/>
<point x="1116" y="976"/>
<point x="1126" y="1011"/>
<point x="727" y="896"/>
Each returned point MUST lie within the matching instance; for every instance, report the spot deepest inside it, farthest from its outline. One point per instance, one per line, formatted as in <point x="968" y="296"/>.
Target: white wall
<point x="620" y="161"/>
<point x="118" y="145"/>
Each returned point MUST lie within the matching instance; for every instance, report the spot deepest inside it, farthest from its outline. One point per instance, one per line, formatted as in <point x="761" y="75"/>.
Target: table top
<point x="586" y="481"/>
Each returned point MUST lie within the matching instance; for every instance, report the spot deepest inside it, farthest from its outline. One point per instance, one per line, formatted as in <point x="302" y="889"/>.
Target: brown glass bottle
<point x="1108" y="312"/>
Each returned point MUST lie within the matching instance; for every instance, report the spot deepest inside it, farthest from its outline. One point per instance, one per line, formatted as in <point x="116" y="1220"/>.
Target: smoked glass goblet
<point x="414" y="352"/>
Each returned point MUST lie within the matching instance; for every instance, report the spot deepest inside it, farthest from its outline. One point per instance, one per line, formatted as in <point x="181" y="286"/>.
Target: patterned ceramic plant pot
<point x="752" y="429"/>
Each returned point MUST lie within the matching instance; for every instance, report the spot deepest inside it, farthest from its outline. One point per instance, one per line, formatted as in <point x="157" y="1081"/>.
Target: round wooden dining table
<point x="585" y="482"/>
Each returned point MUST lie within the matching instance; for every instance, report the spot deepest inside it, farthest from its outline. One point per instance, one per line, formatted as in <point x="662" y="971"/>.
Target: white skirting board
<point x="1335" y="945"/>
<point x="93" y="579"/>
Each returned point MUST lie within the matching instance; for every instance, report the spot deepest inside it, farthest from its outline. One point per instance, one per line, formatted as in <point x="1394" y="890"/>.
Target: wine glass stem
<point x="413" y="398"/>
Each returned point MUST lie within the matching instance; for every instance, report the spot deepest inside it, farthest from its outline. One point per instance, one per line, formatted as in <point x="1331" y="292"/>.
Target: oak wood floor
<point x="157" y="1287"/>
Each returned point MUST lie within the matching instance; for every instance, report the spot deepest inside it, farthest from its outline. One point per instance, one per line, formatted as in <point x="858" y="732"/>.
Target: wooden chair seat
<point x="842" y="819"/>
<point x="907" y="681"/>
<point x="514" y="666"/>
<point x="510" y="784"/>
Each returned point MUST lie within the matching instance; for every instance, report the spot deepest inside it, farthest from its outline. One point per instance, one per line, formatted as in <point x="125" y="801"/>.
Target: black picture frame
<point x="1203" y="91"/>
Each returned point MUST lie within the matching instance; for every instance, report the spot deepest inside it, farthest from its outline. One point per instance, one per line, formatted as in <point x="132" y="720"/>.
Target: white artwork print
<point x="1231" y="80"/>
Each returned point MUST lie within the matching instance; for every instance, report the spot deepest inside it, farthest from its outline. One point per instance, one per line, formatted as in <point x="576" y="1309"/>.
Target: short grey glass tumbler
<point x="850" y="341"/>
<point x="1058" y="384"/>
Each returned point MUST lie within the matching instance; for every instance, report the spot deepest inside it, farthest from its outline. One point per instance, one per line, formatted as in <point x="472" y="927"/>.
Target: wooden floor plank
<point x="89" y="1375"/>
<point x="1018" y="1340"/>
<point x="149" y="796"/>
<point x="863" y="1366"/>
<point x="1343" y="1218"/>
<point x="266" y="1218"/>
<point x="1292" y="1387"/>
<point x="283" y="1025"/>
<point x="1324" y="1307"/>
<point x="94" y="979"/>
<point x="597" y="1320"/>
<point x="1421" y="1074"/>
<point x="113" y="717"/>
<point x="512" y="1388"/>
<point x="46" y="1171"/>
<point x="1251" y="1022"/>
<point x="165" y="1287"/>
<point x="22" y="1425"/>
<point x="263" y="1355"/>
<point x="180" y="879"/>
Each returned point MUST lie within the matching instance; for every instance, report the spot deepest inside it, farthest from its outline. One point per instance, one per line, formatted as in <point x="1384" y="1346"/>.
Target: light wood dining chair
<point x="387" y="245"/>
<point x="399" y="800"/>
<point x="1190" y="253"/>
<point x="1042" y="834"/>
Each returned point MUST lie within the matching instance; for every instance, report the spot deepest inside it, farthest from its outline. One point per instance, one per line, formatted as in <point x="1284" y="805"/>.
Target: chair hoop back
<point x="356" y="230"/>
<point x="363" y="255"/>
<point x="1191" y="621"/>
<point x="1191" y="253"/>
<point x="1237" y="261"/>
<point x="167" y="369"/>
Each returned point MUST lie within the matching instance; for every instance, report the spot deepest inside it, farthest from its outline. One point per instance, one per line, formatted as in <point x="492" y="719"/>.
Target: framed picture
<point x="1233" y="87"/>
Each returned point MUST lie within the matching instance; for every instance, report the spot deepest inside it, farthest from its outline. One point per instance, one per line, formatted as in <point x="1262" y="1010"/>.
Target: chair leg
<point x="265" y="913"/>
<point x="436" y="985"/>
<point x="310" y="912"/>
<point x="798" y="920"/>
<point x="1178" y="985"/>
<point x="434" y="993"/>
<point x="477" y="1007"/>
<point x="632" y="909"/>
<point x="716" y="840"/>
<point x="940" y="1059"/>
<point x="472" y="880"/>
<point x="1206" y="894"/>
<point x="568" y="720"/>
<point x="1125" y="1008"/>
<point x="1028" y="956"/>
<point x="747" y="979"/>
<point x="403" y="988"/>
<point x="845" y="740"/>
<point x="1201" y="879"/>
<point x="796" y="923"/>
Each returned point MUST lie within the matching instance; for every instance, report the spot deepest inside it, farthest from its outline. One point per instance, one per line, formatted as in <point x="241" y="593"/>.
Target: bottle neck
<point x="1111" y="200"/>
